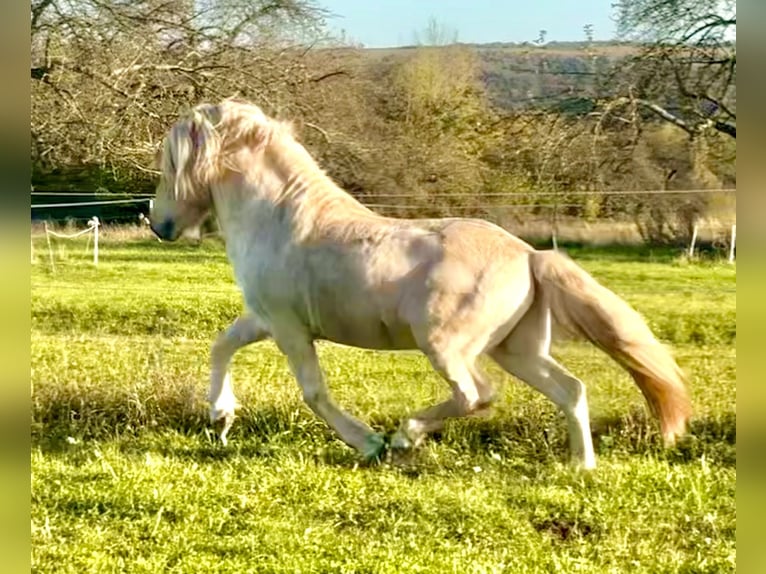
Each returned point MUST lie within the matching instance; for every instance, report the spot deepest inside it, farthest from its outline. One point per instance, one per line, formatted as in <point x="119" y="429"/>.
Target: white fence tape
<point x="93" y="225"/>
<point x="86" y="203"/>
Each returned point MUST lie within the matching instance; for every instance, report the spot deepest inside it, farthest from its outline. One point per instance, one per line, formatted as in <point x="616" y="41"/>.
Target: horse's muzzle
<point x="164" y="230"/>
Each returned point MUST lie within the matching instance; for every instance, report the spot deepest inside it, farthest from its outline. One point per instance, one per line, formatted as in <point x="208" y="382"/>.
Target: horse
<point x="313" y="263"/>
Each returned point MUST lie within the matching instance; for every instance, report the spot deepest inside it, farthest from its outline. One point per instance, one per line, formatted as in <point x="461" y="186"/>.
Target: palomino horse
<point x="314" y="263"/>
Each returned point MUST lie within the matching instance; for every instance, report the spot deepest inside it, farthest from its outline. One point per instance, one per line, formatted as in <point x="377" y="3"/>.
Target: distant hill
<point x="564" y="76"/>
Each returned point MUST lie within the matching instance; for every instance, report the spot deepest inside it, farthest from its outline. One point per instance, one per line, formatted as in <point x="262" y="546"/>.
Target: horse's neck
<point x="291" y="200"/>
<point x="302" y="183"/>
<point x="311" y="201"/>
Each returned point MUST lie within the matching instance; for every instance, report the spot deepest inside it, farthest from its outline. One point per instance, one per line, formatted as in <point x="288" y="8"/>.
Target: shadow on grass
<point x="270" y="432"/>
<point x="633" y="433"/>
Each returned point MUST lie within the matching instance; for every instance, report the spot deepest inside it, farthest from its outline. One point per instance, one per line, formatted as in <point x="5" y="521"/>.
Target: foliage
<point x="109" y="77"/>
<point x="433" y="129"/>
<point x="687" y="72"/>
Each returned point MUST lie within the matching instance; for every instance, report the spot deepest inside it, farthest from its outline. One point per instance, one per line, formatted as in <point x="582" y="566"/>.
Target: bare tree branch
<point x="690" y="65"/>
<point x="328" y="75"/>
<point x="108" y="75"/>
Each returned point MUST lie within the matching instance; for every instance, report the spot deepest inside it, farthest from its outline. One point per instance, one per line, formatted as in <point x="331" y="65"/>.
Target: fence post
<point x="733" y="242"/>
<point x="95" y="223"/>
<point x="50" y="249"/>
<point x="694" y="240"/>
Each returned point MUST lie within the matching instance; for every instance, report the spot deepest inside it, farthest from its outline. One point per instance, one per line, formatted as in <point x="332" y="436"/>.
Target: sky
<point x="386" y="23"/>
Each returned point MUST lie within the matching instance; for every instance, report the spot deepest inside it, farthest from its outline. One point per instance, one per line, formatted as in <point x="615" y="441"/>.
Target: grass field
<point x="127" y="475"/>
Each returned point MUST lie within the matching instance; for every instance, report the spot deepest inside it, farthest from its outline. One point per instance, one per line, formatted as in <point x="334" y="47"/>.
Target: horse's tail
<point x="586" y="308"/>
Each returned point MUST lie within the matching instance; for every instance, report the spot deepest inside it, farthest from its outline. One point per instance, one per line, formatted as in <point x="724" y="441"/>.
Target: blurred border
<point x="751" y="296"/>
<point x="15" y="299"/>
<point x="14" y="288"/>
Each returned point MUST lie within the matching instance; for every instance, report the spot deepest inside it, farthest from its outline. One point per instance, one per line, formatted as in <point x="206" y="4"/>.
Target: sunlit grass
<point x="127" y="475"/>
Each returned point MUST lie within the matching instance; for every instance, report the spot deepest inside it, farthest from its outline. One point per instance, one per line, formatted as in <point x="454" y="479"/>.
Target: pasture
<point x="127" y="474"/>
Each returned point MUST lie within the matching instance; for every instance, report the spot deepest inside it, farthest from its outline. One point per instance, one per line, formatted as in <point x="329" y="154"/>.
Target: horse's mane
<point x="203" y="145"/>
<point x="199" y="147"/>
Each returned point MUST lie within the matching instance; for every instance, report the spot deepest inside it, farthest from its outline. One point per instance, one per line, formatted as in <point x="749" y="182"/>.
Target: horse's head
<point x="198" y="152"/>
<point x="188" y="162"/>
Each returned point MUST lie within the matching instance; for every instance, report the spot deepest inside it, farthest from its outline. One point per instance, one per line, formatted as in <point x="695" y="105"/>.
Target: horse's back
<point x="390" y="286"/>
<point x="474" y="289"/>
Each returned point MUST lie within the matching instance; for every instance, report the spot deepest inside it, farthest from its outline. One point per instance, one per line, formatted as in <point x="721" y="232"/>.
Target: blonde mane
<point x="200" y="146"/>
<point x="204" y="146"/>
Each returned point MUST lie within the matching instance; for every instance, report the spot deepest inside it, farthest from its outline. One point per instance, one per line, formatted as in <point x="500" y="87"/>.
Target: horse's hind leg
<point x="566" y="391"/>
<point x="524" y="354"/>
<point x="470" y="393"/>
<point x="245" y="330"/>
<point x="486" y="390"/>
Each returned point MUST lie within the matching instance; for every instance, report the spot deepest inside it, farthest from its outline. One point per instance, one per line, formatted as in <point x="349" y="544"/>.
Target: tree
<point x="109" y="76"/>
<point x="438" y="105"/>
<point x="686" y="73"/>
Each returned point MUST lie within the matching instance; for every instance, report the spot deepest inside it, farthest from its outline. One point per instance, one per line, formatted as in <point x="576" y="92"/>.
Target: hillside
<point x="562" y="75"/>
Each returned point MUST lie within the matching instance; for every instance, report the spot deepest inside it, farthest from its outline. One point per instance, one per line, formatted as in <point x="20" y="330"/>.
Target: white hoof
<point x="218" y="412"/>
<point x="224" y="404"/>
<point x="225" y="415"/>
<point x="228" y="422"/>
<point x="400" y="441"/>
<point x="586" y="463"/>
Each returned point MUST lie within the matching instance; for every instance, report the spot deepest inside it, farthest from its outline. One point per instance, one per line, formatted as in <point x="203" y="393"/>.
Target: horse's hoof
<point x="216" y="414"/>
<point x="401" y="442"/>
<point x="374" y="447"/>
<point x="585" y="465"/>
<point x="226" y="421"/>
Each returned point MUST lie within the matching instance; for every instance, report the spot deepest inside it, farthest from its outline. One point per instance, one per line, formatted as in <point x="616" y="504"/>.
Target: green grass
<point x="127" y="474"/>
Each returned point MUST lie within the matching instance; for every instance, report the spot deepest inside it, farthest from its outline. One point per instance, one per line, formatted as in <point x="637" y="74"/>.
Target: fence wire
<point x="441" y="194"/>
<point x="542" y="214"/>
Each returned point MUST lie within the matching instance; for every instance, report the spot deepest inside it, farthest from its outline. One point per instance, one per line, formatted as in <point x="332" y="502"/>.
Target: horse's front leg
<point x="304" y="364"/>
<point x="245" y="330"/>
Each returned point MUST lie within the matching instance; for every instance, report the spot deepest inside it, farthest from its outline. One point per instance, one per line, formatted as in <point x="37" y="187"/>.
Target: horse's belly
<point x="369" y="331"/>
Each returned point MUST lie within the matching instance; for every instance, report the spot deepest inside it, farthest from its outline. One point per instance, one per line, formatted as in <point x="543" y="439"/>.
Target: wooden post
<point x="50" y="249"/>
<point x="95" y="239"/>
<point x="694" y="240"/>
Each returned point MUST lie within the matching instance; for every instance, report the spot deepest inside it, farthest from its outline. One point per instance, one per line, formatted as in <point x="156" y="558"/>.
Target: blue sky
<point x="383" y="23"/>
